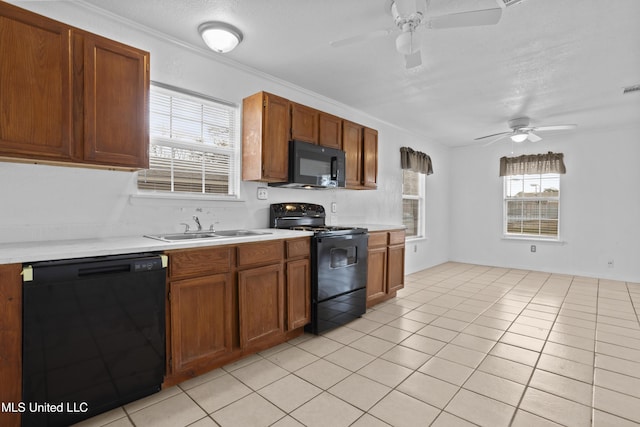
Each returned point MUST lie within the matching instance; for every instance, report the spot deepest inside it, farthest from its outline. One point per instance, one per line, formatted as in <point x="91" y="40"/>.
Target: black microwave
<point x="314" y="166"/>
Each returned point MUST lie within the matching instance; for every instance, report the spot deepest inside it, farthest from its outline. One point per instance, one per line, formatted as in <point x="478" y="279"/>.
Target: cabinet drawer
<point x="260" y="253"/>
<point x="298" y="248"/>
<point x="396" y="237"/>
<point x="377" y="239"/>
<point x="198" y="262"/>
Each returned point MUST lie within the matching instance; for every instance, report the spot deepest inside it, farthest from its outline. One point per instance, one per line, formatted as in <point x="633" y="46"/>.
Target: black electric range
<point x="338" y="264"/>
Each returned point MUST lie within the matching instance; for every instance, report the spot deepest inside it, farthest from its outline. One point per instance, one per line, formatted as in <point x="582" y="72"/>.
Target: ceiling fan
<point x="521" y="131"/>
<point x="410" y="15"/>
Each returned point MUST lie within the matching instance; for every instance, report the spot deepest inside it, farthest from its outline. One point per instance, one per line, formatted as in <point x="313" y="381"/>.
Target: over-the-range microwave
<point x="314" y="166"/>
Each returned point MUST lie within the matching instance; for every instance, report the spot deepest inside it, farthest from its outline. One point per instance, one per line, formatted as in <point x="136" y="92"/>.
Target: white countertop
<point x="13" y="253"/>
<point x="380" y="227"/>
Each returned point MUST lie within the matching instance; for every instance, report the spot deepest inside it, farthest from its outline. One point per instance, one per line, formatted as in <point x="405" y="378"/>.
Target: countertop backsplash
<point x="61" y="203"/>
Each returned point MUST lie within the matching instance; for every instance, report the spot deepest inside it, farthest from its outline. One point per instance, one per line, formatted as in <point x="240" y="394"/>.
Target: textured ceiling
<point x="556" y="61"/>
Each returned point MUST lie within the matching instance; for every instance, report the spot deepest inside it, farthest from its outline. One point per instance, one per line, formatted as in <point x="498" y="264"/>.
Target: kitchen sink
<point x="209" y="235"/>
<point x="183" y="236"/>
<point x="239" y="233"/>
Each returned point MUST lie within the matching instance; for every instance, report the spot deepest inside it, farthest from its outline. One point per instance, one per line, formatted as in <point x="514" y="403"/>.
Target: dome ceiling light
<point x="220" y="36"/>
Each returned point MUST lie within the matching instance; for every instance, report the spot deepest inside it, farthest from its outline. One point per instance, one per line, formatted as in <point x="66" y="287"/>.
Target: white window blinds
<point x="194" y="147"/>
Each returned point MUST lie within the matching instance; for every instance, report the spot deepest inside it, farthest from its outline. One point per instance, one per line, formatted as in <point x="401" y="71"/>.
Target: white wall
<point x="49" y="203"/>
<point x="599" y="207"/>
<point x="600" y="202"/>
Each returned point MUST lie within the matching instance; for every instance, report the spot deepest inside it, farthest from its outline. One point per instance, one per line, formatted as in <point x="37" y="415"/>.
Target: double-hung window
<point x="531" y="195"/>
<point x="413" y="203"/>
<point x="194" y="146"/>
<point x="531" y="205"/>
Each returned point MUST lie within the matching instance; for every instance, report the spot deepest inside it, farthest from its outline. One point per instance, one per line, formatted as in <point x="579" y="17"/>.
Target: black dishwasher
<point x="93" y="335"/>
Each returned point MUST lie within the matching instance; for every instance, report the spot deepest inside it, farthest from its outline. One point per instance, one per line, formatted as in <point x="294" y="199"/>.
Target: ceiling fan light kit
<point x="519" y="137"/>
<point x="407" y="43"/>
<point x="522" y="131"/>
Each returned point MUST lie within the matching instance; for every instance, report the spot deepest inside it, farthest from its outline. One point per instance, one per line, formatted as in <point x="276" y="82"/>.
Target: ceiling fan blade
<point x="466" y="19"/>
<point x="496" y="139"/>
<point x="495" y="134"/>
<point x="413" y="60"/>
<point x="362" y="37"/>
<point x="556" y="127"/>
<point x="533" y="137"/>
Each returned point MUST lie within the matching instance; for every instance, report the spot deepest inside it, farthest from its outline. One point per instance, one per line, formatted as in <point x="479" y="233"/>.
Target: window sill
<point x="533" y="239"/>
<point x="181" y="198"/>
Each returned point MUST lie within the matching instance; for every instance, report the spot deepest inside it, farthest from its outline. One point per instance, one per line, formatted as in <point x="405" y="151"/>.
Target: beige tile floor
<point x="461" y="345"/>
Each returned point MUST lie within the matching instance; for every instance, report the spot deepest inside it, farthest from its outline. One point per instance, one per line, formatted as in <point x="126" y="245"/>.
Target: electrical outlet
<point x="533" y="248"/>
<point x="610" y="263"/>
<point x="262" y="193"/>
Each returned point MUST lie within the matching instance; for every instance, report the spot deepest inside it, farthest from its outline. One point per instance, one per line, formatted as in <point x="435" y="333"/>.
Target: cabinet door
<point x="370" y="158"/>
<point x="330" y="131"/>
<point x="35" y="86"/>
<point x="200" y="320"/>
<point x="377" y="273"/>
<point x="261" y="304"/>
<point x="395" y="268"/>
<point x="352" y="145"/>
<point x="275" y="141"/>
<point x="116" y="87"/>
<point x="10" y="341"/>
<point x="298" y="293"/>
<point x="304" y="123"/>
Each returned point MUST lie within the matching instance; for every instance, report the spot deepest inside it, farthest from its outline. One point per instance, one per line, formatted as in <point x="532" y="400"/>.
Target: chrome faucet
<point x="195" y="218"/>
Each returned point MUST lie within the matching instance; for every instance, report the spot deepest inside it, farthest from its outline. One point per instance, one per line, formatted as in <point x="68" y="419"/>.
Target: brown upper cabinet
<point x="266" y="130"/>
<point x="352" y="145"/>
<point x="304" y="123"/>
<point x="361" y="147"/>
<point x="315" y="126"/>
<point x="369" y="158"/>
<point x="330" y="131"/>
<point x="70" y="96"/>
<point x="269" y="122"/>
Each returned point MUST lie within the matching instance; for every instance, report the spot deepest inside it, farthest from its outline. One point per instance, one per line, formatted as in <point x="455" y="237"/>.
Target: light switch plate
<point x="334" y="207"/>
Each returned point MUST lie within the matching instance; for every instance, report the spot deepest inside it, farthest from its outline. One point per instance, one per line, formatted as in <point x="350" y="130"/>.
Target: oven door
<point x="315" y="165"/>
<point x="341" y="265"/>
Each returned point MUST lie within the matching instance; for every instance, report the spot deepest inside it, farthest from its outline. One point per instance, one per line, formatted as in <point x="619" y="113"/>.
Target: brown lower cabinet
<point x="10" y="341"/>
<point x="200" y="321"/>
<point x="226" y="302"/>
<point x="385" y="265"/>
<point x="261" y="303"/>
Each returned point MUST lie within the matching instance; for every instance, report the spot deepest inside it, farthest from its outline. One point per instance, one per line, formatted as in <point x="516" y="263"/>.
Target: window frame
<point x="233" y="175"/>
<point x="421" y="198"/>
<point x="505" y="199"/>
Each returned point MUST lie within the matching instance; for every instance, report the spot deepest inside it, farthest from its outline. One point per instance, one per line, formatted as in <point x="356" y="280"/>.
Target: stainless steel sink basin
<point x="183" y="236"/>
<point x="208" y="235"/>
<point x="239" y="233"/>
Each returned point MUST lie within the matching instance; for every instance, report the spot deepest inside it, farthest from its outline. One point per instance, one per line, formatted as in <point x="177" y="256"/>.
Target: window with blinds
<point x="193" y="144"/>
<point x="531" y="205"/>
<point x="413" y="203"/>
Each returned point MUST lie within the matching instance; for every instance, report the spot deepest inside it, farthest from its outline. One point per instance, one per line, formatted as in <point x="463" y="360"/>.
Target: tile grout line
<point x="533" y="371"/>
<point x="595" y="340"/>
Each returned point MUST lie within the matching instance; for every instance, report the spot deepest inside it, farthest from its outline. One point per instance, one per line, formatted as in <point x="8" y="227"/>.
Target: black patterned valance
<point x="415" y="161"/>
